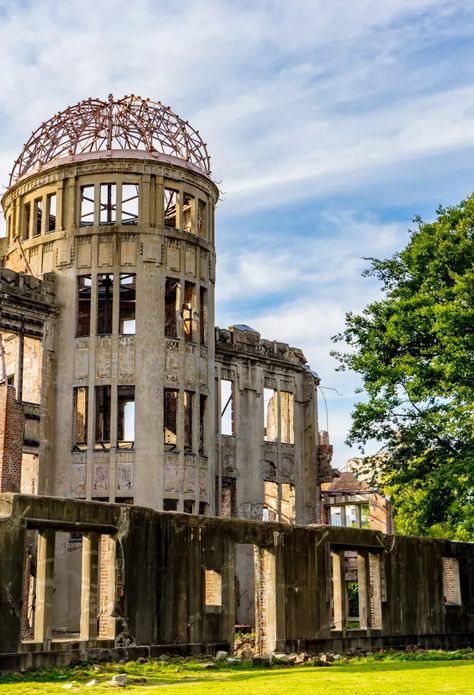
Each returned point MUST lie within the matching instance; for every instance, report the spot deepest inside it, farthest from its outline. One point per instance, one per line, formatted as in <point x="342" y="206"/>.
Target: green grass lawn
<point x="376" y="675"/>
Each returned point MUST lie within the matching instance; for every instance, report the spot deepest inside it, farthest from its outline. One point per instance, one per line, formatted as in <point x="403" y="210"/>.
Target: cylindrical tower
<point x="115" y="198"/>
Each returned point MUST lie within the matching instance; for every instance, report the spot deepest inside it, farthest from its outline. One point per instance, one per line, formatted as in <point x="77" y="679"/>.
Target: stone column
<point x="338" y="589"/>
<point x="89" y="583"/>
<point x="363" y="582"/>
<point x="45" y="588"/>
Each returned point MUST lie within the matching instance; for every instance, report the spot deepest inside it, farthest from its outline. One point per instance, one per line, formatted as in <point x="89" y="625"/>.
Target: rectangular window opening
<point x="352" y="515"/>
<point x="188" y="420"/>
<point x="228" y="497"/>
<point x="130" y="193"/>
<point x="170" y="505"/>
<point x="84" y="290"/>
<point x="227" y="407"/>
<point x="364" y="516"/>
<point x="108" y="203"/>
<point x="286" y="418"/>
<point x="202" y="219"/>
<point x="128" y="283"/>
<point x="87" y="206"/>
<point x="51" y="203"/>
<point x="188" y="207"/>
<point x="270" y="402"/>
<point x="188" y="506"/>
<point x="27" y="218"/>
<point x="270" y="501"/>
<point x="212" y="588"/>
<point x="451" y="584"/>
<point x="80" y="417"/>
<point x="335" y="516"/>
<point x="105" y="285"/>
<point x="171" y="299"/>
<point x="202" y="424"/>
<point x="38" y="213"/>
<point x="170" y="418"/>
<point x="288" y="503"/>
<point x="170" y="206"/>
<point x="203" y="316"/>
<point x="187" y="310"/>
<point x="203" y="508"/>
<point x="102" y="417"/>
<point x="125" y="417"/>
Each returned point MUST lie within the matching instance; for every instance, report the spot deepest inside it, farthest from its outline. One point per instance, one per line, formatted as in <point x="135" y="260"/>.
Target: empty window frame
<point x="203" y="508"/>
<point x="188" y="506"/>
<point x="212" y="588"/>
<point x="26" y="221"/>
<point x="51" y="212"/>
<point x="352" y="515"/>
<point x="87" y="204"/>
<point x="228" y="496"/>
<point x="202" y="424"/>
<point x="227" y="419"/>
<point x="170" y="418"/>
<point x="270" y="404"/>
<point x="170" y="505"/>
<point x="130" y="198"/>
<point x="171" y="300"/>
<point x="102" y="417"/>
<point x="188" y="420"/>
<point x="84" y="291"/>
<point x="287" y="506"/>
<point x="108" y="203"/>
<point x="270" y="501"/>
<point x="127" y="302"/>
<point x="287" y="435"/>
<point x="38" y="216"/>
<point x="170" y="205"/>
<point x="279" y="416"/>
<point x="451" y="583"/>
<point x="365" y="515"/>
<point x="125" y="417"/>
<point x="188" y="212"/>
<point x="80" y="417"/>
<point x="203" y="316"/>
<point x="202" y="219"/>
<point x="335" y="516"/>
<point x="187" y="311"/>
<point x="105" y="285"/>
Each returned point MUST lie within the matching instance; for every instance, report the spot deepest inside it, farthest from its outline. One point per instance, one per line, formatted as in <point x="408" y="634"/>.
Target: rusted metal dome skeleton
<point x="130" y="124"/>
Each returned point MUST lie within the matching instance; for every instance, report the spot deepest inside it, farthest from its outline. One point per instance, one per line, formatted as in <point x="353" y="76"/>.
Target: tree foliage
<point x="415" y="351"/>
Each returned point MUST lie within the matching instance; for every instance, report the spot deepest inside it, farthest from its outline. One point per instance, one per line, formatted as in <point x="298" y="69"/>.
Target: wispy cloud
<point x="329" y="123"/>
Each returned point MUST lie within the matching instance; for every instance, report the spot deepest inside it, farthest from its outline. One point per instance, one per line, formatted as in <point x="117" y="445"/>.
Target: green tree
<point x="415" y="351"/>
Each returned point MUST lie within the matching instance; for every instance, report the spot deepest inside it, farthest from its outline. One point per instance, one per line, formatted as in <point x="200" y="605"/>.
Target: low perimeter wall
<point x="151" y="582"/>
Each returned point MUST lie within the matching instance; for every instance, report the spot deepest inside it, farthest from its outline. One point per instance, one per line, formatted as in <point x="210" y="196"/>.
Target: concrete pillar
<point x="363" y="582"/>
<point x="375" y="592"/>
<point x="265" y="601"/>
<point x="338" y="589"/>
<point x="45" y="588"/>
<point x="89" y="584"/>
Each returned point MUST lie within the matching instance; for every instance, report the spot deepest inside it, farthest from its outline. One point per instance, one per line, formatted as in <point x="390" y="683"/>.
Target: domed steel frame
<point x="129" y="124"/>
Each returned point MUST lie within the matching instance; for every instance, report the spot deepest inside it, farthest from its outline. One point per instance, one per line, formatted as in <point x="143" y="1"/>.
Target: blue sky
<point x="330" y="126"/>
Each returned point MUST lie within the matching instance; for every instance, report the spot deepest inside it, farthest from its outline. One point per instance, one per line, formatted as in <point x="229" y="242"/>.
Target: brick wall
<point x="11" y="440"/>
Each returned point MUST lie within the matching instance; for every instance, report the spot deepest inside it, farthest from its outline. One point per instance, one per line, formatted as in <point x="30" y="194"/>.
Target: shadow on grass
<point x="227" y="674"/>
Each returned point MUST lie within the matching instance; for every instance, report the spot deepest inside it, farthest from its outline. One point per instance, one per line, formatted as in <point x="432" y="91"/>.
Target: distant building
<point x="347" y="501"/>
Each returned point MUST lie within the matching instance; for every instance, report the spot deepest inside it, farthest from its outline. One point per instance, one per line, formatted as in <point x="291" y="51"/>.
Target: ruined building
<point x="116" y="387"/>
<point x="129" y="393"/>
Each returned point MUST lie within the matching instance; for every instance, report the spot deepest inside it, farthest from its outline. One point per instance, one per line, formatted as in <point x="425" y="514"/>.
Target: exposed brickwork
<point x="11" y="440"/>
<point x="451" y="589"/>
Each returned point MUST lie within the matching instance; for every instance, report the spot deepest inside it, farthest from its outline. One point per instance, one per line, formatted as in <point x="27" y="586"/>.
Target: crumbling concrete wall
<point x="162" y="601"/>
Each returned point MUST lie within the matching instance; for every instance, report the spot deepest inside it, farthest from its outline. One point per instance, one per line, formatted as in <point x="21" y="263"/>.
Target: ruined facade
<point x="114" y="202"/>
<point x="116" y="388"/>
